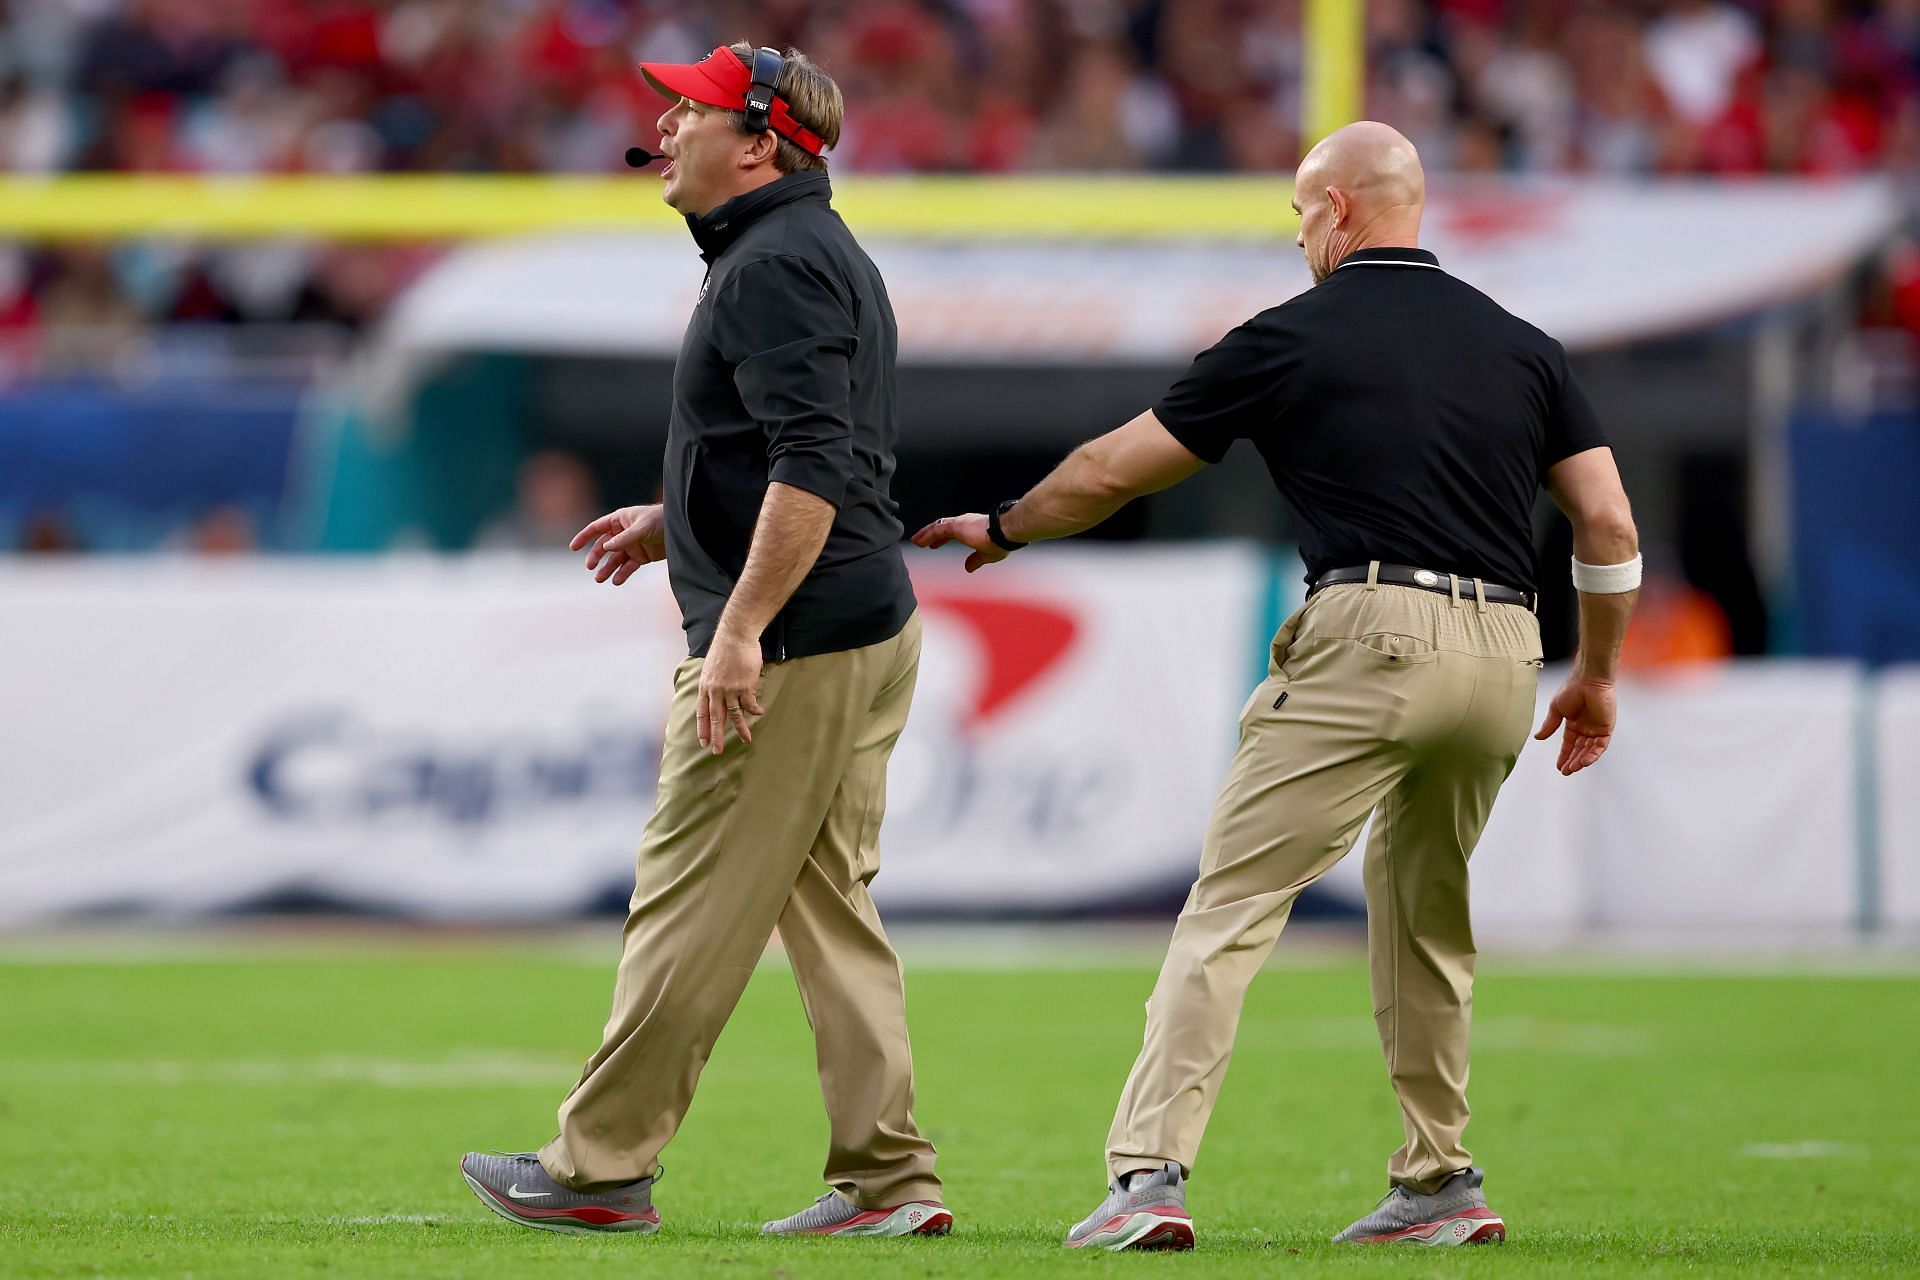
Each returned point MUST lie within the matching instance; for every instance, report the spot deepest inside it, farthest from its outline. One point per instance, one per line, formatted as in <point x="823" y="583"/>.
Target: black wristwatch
<point x="995" y="533"/>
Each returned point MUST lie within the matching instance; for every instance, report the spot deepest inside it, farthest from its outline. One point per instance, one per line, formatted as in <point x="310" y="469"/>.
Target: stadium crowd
<point x="273" y="86"/>
<point x="958" y="85"/>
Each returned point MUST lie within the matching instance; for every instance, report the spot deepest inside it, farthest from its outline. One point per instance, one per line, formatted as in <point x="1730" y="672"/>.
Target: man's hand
<point x="970" y="530"/>
<point x="729" y="689"/>
<point x="621" y="541"/>
<point x="1586" y="707"/>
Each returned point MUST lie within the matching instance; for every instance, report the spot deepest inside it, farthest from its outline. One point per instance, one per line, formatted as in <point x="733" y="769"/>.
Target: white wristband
<point x="1606" y="579"/>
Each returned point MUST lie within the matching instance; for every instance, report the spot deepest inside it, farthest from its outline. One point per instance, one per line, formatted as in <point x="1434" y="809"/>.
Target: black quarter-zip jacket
<point x="786" y="373"/>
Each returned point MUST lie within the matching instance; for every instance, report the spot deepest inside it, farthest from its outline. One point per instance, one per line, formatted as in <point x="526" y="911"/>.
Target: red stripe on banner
<point x="1021" y="641"/>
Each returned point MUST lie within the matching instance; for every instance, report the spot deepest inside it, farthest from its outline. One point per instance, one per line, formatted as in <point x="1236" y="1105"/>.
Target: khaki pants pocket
<point x="1395" y="647"/>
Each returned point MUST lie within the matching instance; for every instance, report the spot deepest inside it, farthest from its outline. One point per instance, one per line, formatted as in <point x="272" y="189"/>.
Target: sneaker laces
<point x="1393" y="1192"/>
<point x="817" y="1211"/>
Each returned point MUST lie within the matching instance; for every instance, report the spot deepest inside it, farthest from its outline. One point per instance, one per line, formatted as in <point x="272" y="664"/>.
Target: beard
<point x="1318" y="265"/>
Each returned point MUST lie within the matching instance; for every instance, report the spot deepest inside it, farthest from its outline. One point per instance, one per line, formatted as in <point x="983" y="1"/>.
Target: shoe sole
<point x="565" y="1221"/>
<point x="915" y="1218"/>
<point x="1475" y="1226"/>
<point x="1162" y="1229"/>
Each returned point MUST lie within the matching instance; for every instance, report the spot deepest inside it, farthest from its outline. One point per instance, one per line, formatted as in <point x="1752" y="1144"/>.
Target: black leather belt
<point x="1400" y="575"/>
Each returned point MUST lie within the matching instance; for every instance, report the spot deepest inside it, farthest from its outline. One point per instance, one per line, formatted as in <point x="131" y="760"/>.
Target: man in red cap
<point x="782" y="547"/>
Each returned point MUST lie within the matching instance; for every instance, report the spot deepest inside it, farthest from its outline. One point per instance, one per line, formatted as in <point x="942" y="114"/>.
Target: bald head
<point x="1374" y="163"/>
<point x="1360" y="187"/>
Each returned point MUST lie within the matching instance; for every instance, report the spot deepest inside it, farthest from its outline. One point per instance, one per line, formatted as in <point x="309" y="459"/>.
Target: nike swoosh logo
<point x="518" y="1194"/>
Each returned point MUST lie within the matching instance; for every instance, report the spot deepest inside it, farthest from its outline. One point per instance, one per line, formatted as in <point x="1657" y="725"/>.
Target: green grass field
<point x="301" y="1112"/>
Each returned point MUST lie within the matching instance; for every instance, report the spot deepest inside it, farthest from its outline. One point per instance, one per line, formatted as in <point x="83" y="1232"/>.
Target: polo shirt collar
<point x="1389" y="257"/>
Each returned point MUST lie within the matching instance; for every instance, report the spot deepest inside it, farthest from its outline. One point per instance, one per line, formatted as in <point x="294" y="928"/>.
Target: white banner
<point x="1593" y="262"/>
<point x="1728" y="800"/>
<point x="478" y="738"/>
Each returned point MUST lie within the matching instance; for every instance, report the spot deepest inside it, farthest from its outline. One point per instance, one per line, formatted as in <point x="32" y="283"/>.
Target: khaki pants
<point x="785" y="831"/>
<point x="1387" y="697"/>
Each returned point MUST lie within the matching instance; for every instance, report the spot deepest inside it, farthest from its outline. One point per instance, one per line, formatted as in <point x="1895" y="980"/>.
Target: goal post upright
<point x="1334" y="40"/>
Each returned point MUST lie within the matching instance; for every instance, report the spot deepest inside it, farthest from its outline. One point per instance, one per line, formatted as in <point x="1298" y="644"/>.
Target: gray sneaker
<point x="1455" y="1214"/>
<point x="515" y="1186"/>
<point x="834" y="1215"/>
<point x="1146" y="1210"/>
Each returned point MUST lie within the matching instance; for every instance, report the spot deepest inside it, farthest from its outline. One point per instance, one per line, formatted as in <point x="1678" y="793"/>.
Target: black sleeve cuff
<point x="1202" y="444"/>
<point x="823" y="477"/>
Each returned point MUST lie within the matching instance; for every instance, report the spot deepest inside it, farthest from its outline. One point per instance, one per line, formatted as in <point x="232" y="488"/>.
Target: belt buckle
<point x="1426" y="577"/>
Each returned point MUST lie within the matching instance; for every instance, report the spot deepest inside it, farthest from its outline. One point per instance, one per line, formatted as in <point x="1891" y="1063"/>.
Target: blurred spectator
<point x="1091" y="130"/>
<point x="1696" y="50"/>
<point x="83" y="312"/>
<point x="226" y="530"/>
<point x="1675" y="624"/>
<point x="1516" y="82"/>
<point x="19" y="315"/>
<point x="48" y="533"/>
<point x="555" y="496"/>
<point x="1620" y="120"/>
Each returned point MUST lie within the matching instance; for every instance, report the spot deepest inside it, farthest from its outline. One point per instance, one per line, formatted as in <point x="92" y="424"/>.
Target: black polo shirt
<point x="1404" y="416"/>
<point x="786" y="373"/>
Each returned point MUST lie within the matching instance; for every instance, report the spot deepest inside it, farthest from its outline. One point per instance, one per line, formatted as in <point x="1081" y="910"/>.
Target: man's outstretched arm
<point x="1090" y="484"/>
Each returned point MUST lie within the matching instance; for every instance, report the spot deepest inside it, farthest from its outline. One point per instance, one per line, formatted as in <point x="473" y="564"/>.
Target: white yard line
<point x="1803" y="1151"/>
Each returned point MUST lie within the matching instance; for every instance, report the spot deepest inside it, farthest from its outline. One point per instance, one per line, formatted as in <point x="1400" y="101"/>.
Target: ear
<point x="760" y="149"/>
<point x="1342" y="204"/>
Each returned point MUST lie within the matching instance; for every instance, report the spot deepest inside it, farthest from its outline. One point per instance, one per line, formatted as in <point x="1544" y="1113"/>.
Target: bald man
<point x="1409" y="423"/>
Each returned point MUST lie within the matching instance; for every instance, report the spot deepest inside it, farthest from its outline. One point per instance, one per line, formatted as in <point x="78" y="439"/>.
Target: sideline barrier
<point x="476" y="738"/>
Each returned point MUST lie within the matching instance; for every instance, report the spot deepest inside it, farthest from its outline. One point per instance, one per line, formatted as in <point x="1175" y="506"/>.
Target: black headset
<point x="767" y="66"/>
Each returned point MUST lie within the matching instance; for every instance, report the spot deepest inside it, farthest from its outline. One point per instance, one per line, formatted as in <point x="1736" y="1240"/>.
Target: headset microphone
<point x="640" y="157"/>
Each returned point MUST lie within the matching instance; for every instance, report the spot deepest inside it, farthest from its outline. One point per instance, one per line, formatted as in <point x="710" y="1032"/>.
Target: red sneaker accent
<point x="1469" y="1226"/>
<point x="1175" y="1231"/>
<point x="857" y="1220"/>
<point x="937" y="1222"/>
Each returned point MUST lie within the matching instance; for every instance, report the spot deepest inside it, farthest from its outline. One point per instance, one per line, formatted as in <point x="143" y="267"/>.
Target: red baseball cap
<point x="719" y="80"/>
